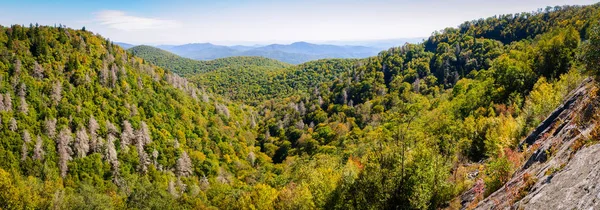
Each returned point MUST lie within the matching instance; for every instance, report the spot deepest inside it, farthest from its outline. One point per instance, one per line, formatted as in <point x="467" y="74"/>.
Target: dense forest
<point x="88" y="125"/>
<point x="186" y="66"/>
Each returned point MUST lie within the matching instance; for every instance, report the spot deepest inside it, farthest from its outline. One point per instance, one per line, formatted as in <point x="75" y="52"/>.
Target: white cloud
<point x="119" y="20"/>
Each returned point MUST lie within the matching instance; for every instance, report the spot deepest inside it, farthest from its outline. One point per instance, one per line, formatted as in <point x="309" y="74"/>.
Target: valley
<point x="497" y="113"/>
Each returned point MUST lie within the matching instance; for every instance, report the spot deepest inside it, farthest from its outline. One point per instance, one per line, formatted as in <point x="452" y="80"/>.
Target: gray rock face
<point x="577" y="186"/>
<point x="566" y="175"/>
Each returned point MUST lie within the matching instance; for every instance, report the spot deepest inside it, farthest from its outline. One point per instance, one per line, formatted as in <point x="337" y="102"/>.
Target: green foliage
<point x="186" y="66"/>
<point x="498" y="172"/>
<point x="76" y="94"/>
<point x="556" y="51"/>
<point x="384" y="132"/>
<point x="590" y="50"/>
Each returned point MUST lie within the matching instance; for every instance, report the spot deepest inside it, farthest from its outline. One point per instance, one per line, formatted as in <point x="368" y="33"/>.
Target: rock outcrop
<point x="563" y="170"/>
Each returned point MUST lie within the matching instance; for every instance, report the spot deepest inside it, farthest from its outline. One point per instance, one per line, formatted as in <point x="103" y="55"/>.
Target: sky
<point x="233" y="22"/>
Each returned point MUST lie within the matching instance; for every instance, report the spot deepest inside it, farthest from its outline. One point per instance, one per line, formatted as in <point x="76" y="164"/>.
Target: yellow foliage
<point x="261" y="197"/>
<point x="295" y="196"/>
<point x="197" y="156"/>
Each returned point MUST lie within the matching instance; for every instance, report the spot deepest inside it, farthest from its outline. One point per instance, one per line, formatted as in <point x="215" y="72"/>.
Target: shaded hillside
<point x="186" y="66"/>
<point x="168" y="60"/>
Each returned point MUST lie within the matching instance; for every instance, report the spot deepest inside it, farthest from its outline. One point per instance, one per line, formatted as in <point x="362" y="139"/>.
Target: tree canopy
<point x="86" y="124"/>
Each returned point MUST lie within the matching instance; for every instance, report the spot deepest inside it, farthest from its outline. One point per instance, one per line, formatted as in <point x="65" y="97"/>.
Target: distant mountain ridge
<point x="125" y="45"/>
<point x="200" y="51"/>
<point x="295" y="53"/>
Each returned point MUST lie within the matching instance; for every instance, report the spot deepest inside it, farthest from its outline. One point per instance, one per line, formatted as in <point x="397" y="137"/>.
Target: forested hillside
<point x="86" y="124"/>
<point x="186" y="66"/>
<point x="255" y="84"/>
<point x="251" y="80"/>
<point x="412" y="119"/>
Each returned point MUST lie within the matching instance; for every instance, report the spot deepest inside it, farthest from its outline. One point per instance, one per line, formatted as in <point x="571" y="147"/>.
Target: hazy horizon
<point x="236" y="22"/>
<point x="373" y="42"/>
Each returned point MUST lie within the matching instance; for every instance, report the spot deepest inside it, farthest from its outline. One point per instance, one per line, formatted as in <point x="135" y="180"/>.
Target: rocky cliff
<point x="562" y="165"/>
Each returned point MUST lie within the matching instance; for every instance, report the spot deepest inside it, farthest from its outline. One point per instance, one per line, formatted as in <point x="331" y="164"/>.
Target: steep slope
<point x="560" y="171"/>
<point x="412" y="122"/>
<point x="410" y="128"/>
<point x="86" y="125"/>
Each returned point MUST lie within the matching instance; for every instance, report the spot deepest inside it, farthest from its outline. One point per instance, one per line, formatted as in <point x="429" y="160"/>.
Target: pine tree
<point x="26" y="140"/>
<point x="7" y="102"/>
<point x="127" y="136"/>
<point x="171" y="189"/>
<point x="50" y="127"/>
<point x="184" y="165"/>
<point x="222" y="109"/>
<point x="182" y="187"/>
<point x="12" y="124"/>
<point x="17" y="65"/>
<point x="302" y="108"/>
<point x="2" y="106"/>
<point x="104" y="74"/>
<point x="22" y="92"/>
<point x="23" y="106"/>
<point x="194" y="95"/>
<point x="38" y="151"/>
<point x="144" y="161"/>
<point x="205" y="98"/>
<point x="82" y="142"/>
<point x="204" y="183"/>
<point x="251" y="158"/>
<point x="140" y="84"/>
<point x="56" y="95"/>
<point x="111" y="157"/>
<point x="93" y="129"/>
<point x="155" y="157"/>
<point x="64" y="150"/>
<point x="176" y="144"/>
<point x="38" y="71"/>
<point x="143" y="138"/>
<point x="110" y="128"/>
<point x="143" y="134"/>
<point x="113" y="76"/>
<point x="224" y="177"/>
